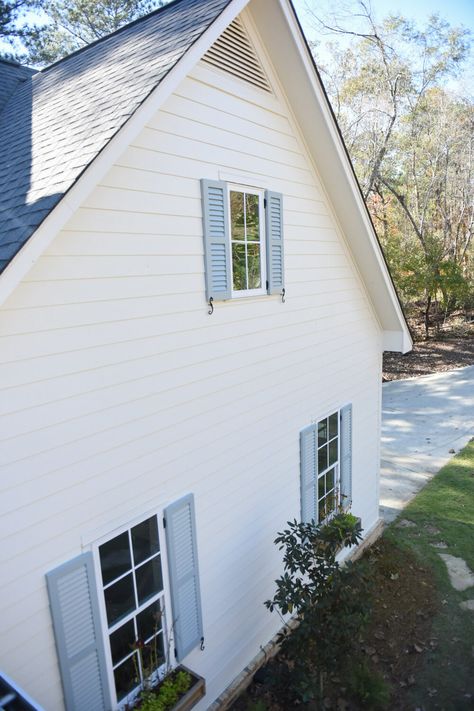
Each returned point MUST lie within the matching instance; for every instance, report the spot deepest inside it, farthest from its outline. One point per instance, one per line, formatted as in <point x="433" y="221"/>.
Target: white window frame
<point x="240" y="188"/>
<point x="167" y="632"/>
<point x="336" y="465"/>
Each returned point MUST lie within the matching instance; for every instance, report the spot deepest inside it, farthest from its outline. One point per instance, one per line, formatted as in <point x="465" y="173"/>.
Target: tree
<point x="72" y="25"/>
<point x="10" y="13"/>
<point x="411" y="144"/>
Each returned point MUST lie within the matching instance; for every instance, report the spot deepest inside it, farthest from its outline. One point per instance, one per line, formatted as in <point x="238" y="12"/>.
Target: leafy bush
<point x="328" y="611"/>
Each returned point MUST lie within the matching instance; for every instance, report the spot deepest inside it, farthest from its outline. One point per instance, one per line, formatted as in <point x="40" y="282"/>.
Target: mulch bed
<point x="395" y="644"/>
<point x="451" y="347"/>
<point x="433" y="356"/>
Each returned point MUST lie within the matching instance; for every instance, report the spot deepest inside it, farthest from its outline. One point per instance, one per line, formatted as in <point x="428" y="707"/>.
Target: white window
<point x="328" y="490"/>
<point x="131" y="571"/>
<point x="243" y="241"/>
<point x="247" y="235"/>
<point x="326" y="465"/>
<point x="114" y="613"/>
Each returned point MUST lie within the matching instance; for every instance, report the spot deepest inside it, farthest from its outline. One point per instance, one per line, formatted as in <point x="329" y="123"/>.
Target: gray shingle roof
<point x="11" y="74"/>
<point x="57" y="121"/>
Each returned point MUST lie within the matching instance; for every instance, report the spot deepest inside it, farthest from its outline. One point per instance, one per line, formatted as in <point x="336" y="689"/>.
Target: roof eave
<point x="303" y="87"/>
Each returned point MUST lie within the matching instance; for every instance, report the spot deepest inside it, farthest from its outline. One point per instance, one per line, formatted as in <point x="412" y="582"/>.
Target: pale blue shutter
<point x="216" y="240"/>
<point x="346" y="456"/>
<point x="76" y="621"/>
<point x="180" y="526"/>
<point x="274" y="236"/>
<point x="308" y="473"/>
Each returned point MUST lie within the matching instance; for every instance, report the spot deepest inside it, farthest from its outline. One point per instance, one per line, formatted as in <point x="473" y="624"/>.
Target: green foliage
<point x="368" y="687"/>
<point x="258" y="705"/>
<point x="72" y="24"/>
<point x="11" y="11"/>
<point x="166" y="695"/>
<point x="410" y="140"/>
<point x="321" y="595"/>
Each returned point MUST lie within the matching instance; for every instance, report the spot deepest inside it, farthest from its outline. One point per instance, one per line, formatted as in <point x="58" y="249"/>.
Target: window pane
<point x="153" y="655"/>
<point x="115" y="558"/>
<point x="126" y="677"/>
<point x="333" y="452"/>
<point x="330" y="480"/>
<point x="149" y="621"/>
<point x="238" y="267"/>
<point x="323" y="458"/>
<point x="253" y="256"/>
<point x="237" y="219"/>
<point x="322" y="432"/>
<point x="321" y="490"/>
<point x="119" y="599"/>
<point x="330" y="503"/>
<point x="322" y="510"/>
<point x="149" y="579"/>
<point x="145" y="540"/>
<point x="333" y="422"/>
<point x="122" y="641"/>
<point x="252" y="218"/>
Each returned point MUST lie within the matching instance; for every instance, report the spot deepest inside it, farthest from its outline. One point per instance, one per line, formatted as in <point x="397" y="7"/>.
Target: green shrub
<point x="329" y="604"/>
<point x="369" y="688"/>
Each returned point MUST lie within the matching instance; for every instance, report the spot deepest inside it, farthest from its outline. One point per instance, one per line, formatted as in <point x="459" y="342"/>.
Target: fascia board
<point x="92" y="175"/>
<point x="302" y="86"/>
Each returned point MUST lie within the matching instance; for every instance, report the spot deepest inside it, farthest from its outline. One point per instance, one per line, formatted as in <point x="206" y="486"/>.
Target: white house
<point x="193" y="312"/>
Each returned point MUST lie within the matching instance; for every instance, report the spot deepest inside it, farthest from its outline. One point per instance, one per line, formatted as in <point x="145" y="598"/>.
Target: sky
<point x="456" y="12"/>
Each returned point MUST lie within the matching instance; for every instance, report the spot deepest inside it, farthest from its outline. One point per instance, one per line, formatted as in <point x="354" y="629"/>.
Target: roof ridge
<point x="14" y="63"/>
<point x="111" y="34"/>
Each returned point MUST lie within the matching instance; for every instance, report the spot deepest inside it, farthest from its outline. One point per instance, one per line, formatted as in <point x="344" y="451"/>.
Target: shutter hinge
<point x="175" y="653"/>
<point x="164" y="522"/>
<point x="265" y="203"/>
<point x="267" y="285"/>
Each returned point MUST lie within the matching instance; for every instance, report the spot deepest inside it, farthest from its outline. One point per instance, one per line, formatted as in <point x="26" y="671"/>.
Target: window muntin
<point x="247" y="241"/>
<point x="328" y="465"/>
<point x="132" y="581"/>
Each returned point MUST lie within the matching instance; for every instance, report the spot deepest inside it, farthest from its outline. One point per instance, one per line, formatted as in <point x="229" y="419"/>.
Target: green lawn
<point x="446" y="504"/>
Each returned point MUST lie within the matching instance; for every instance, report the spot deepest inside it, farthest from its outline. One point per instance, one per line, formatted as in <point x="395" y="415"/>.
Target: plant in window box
<point x="178" y="690"/>
<point x="321" y="595"/>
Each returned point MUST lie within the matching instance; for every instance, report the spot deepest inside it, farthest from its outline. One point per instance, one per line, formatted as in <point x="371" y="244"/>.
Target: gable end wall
<point x="120" y="393"/>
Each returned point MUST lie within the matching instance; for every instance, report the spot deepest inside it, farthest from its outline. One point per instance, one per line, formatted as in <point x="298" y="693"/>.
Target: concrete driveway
<point x="422" y="420"/>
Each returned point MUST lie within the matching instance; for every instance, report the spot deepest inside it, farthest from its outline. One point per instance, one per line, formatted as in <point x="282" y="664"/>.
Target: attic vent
<point x="234" y="53"/>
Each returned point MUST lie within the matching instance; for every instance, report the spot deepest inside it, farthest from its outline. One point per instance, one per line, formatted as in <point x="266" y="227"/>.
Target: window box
<point x="187" y="701"/>
<point x="195" y="693"/>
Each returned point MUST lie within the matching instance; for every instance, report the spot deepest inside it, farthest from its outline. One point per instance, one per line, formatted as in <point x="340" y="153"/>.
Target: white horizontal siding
<point x="120" y="393"/>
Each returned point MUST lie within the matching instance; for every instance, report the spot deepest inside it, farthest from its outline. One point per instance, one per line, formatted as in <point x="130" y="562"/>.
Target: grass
<point x="446" y="504"/>
<point x="417" y="651"/>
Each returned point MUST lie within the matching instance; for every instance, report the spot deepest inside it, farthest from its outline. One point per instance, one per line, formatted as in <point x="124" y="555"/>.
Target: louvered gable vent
<point x="233" y="52"/>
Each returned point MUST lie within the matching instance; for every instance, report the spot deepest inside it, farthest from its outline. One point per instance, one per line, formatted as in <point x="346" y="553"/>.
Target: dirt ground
<point x="404" y="602"/>
<point x="452" y="348"/>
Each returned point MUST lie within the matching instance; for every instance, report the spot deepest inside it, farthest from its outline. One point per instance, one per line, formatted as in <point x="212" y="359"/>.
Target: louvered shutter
<point x="184" y="575"/>
<point x="274" y="235"/>
<point x="75" y="612"/>
<point x="346" y="456"/>
<point x="216" y="240"/>
<point x="308" y="473"/>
